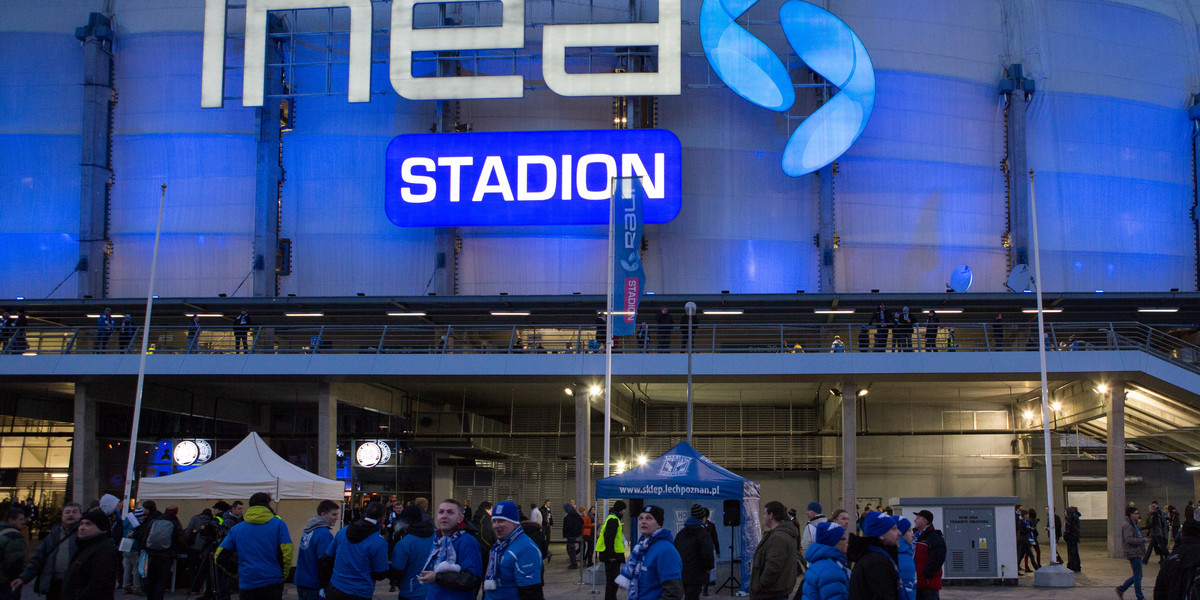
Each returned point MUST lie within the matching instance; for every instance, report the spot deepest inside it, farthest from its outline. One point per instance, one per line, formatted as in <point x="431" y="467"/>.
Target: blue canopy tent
<point x="682" y="477"/>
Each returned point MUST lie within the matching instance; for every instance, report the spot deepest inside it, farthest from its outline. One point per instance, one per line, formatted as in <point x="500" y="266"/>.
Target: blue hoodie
<point x="360" y="558"/>
<point x="313" y="542"/>
<point x="264" y="548"/>
<point x="409" y="556"/>
<point x="827" y="577"/>
<point x="908" y="570"/>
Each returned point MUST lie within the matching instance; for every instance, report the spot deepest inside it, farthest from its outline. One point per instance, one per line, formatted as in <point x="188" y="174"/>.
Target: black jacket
<point x="1177" y="569"/>
<point x="572" y="525"/>
<point x="696" y="551"/>
<point x="534" y="531"/>
<point x="875" y="575"/>
<point x="94" y="570"/>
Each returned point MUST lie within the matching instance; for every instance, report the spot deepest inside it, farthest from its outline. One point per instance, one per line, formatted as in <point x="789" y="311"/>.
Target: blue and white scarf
<point x="632" y="569"/>
<point x="444" y="558"/>
<point x="497" y="552"/>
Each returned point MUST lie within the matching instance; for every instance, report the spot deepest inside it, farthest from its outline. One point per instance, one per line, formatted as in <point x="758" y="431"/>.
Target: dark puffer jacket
<point x="875" y="575"/>
<point x="94" y="570"/>
<point x="696" y="551"/>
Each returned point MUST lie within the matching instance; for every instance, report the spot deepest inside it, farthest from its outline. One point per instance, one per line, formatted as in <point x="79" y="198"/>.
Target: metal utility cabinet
<point x="980" y="532"/>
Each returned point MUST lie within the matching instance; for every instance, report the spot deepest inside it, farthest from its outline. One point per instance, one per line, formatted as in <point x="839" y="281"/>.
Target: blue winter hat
<point x="829" y="533"/>
<point x="902" y="524"/>
<point x="506" y="511"/>
<point x="814" y="506"/>
<point x="876" y="524"/>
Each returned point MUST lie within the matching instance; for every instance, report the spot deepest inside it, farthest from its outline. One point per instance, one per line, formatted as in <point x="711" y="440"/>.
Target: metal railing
<point x="558" y="339"/>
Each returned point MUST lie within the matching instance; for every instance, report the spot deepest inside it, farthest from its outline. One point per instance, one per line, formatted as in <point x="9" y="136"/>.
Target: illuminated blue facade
<point x="920" y="191"/>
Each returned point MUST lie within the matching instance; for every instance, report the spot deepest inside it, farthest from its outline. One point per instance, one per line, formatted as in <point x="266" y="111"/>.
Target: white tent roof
<point x="249" y="467"/>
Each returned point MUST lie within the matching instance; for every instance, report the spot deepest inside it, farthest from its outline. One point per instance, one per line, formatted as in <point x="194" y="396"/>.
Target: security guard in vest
<point x="611" y="547"/>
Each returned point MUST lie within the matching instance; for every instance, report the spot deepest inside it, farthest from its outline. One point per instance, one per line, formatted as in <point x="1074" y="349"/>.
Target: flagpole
<point x="1037" y="276"/>
<point x="608" y="335"/>
<point x="141" y="377"/>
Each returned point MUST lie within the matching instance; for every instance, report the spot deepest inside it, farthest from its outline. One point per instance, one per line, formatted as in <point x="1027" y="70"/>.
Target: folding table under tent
<point x="682" y="477"/>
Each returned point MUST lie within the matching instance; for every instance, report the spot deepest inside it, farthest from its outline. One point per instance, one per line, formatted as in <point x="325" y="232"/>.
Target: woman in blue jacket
<point x="827" y="577"/>
<point x="905" y="562"/>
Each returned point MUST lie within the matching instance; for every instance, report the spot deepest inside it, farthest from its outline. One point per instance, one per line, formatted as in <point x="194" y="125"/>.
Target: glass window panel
<point x="58" y="458"/>
<point x="10" y="458"/>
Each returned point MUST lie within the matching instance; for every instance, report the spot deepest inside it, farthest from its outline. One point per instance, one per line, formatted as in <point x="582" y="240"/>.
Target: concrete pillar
<point x="85" y="467"/>
<point x="95" y="160"/>
<point x="583" y="449"/>
<point x="849" y="448"/>
<point x="443" y="482"/>
<point x="1018" y="167"/>
<point x="1116" y="466"/>
<point x="327" y="420"/>
<point x="268" y="173"/>
<point x="825" y="231"/>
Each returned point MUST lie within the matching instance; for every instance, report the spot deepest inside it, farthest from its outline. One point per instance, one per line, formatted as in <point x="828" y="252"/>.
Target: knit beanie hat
<point x="876" y="524"/>
<point x="902" y="524"/>
<point x="618" y="506"/>
<point x="97" y="517"/>
<point x="829" y="534"/>
<point x="656" y="512"/>
<point x="699" y="511"/>
<point x="506" y="511"/>
<point x="814" y="506"/>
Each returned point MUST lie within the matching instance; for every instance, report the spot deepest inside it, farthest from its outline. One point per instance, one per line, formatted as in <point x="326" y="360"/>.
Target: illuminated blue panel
<point x="40" y="119"/>
<point x="528" y="178"/>
<point x="1113" y="191"/>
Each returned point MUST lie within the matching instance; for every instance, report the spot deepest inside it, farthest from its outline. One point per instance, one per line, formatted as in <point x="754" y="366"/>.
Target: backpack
<point x="160" y="535"/>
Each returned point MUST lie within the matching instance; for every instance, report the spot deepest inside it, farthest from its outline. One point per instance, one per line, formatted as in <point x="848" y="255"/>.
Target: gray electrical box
<point x="970" y="542"/>
<point x="980" y="532"/>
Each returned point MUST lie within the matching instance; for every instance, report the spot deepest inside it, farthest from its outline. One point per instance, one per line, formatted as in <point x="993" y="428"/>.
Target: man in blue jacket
<point x="264" y="551"/>
<point x="411" y="552"/>
<point x="827" y="577"/>
<point x="318" y="534"/>
<point x="455" y="565"/>
<point x="514" y="569"/>
<point x="654" y="569"/>
<point x="360" y="557"/>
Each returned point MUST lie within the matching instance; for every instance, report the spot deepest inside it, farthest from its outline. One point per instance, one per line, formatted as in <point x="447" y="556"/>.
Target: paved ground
<point x="1100" y="575"/>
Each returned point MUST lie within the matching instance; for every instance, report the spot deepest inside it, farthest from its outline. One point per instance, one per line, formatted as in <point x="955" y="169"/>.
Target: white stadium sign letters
<point x="405" y="41"/>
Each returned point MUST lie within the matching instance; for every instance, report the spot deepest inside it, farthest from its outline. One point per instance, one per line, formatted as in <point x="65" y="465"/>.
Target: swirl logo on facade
<point x="752" y="70"/>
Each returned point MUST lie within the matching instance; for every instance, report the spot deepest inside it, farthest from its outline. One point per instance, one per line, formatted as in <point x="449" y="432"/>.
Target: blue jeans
<point x="1135" y="580"/>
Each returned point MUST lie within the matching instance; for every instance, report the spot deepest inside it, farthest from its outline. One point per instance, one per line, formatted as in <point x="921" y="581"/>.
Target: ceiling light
<point x="641" y="459"/>
<point x="833" y="311"/>
<point x="304" y="314"/>
<point x="58" y="475"/>
<point x="721" y="312"/>
<point x="510" y="313"/>
<point x="203" y="315"/>
<point x="1192" y="469"/>
<point x="1056" y="406"/>
<point x="569" y="391"/>
<point x="1102" y="389"/>
<point x="1157" y="310"/>
<point x="417" y="313"/>
<point x="92" y="316"/>
<point x="1045" y="310"/>
<point x="1028" y="415"/>
<point x="862" y="393"/>
<point x="948" y="311"/>
<point x="595" y="390"/>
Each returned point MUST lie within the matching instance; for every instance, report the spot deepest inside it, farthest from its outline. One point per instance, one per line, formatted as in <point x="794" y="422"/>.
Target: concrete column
<point x="583" y="449"/>
<point x="445" y="248"/>
<point x="443" y="482"/>
<point x="95" y="163"/>
<point x="326" y="432"/>
<point x="1018" y="169"/>
<point x="85" y="467"/>
<point x="268" y="173"/>
<point x="849" y="447"/>
<point x="825" y="229"/>
<point x="1116" y="466"/>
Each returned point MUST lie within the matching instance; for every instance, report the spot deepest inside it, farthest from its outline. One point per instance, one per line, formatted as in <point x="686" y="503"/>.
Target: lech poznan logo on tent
<point x="753" y="71"/>
<point x="675" y="465"/>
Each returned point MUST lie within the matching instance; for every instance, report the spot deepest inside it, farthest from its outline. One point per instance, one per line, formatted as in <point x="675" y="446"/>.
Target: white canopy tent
<point x="249" y="467"/>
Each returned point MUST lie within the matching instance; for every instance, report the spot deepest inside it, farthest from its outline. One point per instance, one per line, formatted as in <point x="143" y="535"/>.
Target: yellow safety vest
<point x="619" y="543"/>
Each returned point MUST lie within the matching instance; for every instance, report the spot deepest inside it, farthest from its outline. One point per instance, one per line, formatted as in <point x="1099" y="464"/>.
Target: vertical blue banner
<point x="628" y="276"/>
